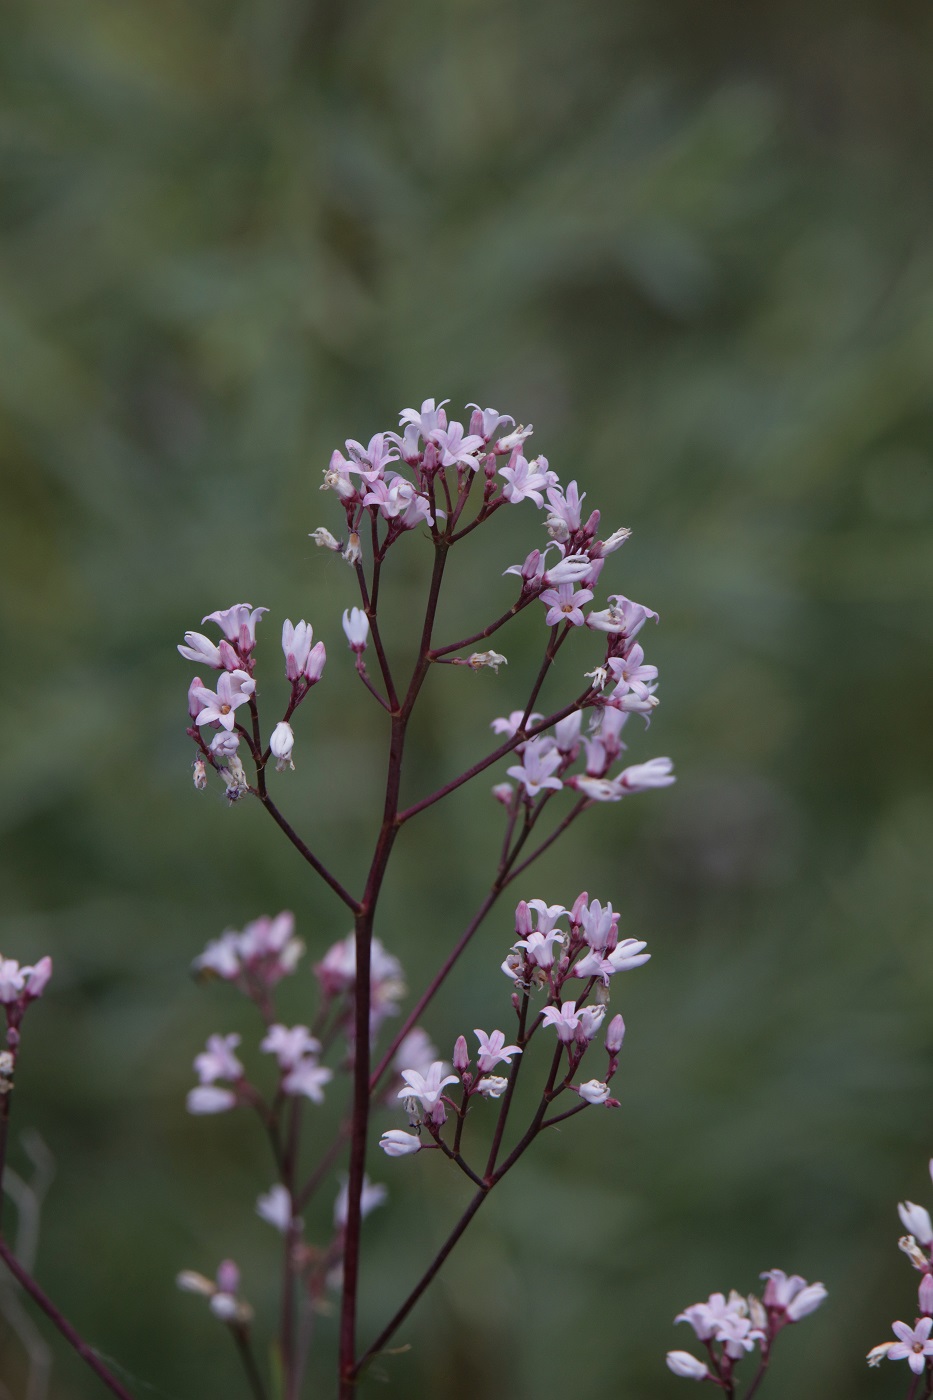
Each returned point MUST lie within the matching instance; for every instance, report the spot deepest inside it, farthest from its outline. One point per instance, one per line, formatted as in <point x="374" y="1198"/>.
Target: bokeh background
<point x="692" y="244"/>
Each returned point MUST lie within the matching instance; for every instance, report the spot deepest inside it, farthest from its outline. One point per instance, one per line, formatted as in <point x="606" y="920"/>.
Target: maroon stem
<point x="447" y="1247"/>
<point x="759" y="1376"/>
<point x="481" y="636"/>
<point x="74" y="1338"/>
<point x="306" y="851"/>
<point x="365" y="913"/>
<point x="519" y="737"/>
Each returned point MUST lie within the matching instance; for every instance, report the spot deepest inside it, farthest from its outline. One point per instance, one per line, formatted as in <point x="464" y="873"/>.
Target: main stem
<point x="365" y="915"/>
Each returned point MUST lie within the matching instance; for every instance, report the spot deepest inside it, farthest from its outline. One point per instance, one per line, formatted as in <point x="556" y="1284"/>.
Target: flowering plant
<point x="436" y="481"/>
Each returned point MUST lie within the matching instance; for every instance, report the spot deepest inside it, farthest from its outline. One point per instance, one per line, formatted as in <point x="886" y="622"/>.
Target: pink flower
<point x="565" y="1020"/>
<point x="486" y="421"/>
<point x="428" y="419"/>
<point x="539" y="947"/>
<point x="615" y="1035"/>
<point x="233" y="689"/>
<point x="591" y="1018"/>
<point x="570" y="568"/>
<point x="218" y="1060"/>
<point x="514" y="439"/>
<point x="525" y="480"/>
<point x="12" y="980"/>
<point x="509" y="726"/>
<point x="492" y="1086"/>
<point x="289" y="1045"/>
<point x="308" y="1078"/>
<point x="209" y="1099"/>
<point x="600" y="924"/>
<point x="337" y="477"/>
<point x="457" y="450"/>
<point x="565" y="605"/>
<point x="370" y="461"/>
<point x="426" y="1087"/>
<point x="631" y="673"/>
<point x="493" y="1050"/>
<point x="416" y="1051"/>
<point x="634" y="615"/>
<point x="566" y="507"/>
<point x="536" y="769"/>
<point x="238" y="625"/>
<point x="914" y="1345"/>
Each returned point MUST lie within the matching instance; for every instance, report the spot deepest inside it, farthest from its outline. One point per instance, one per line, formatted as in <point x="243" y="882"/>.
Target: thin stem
<point x="481" y="636"/>
<point x="559" y="1117"/>
<point x="507" y="1100"/>
<point x="245" y="1351"/>
<point x="365" y="913"/>
<point x="4" y="1138"/>
<point x="426" y="1278"/>
<point x="308" y="854"/>
<point x="73" y="1337"/>
<point x="519" y="737"/>
<point x="759" y="1376"/>
<point x="369" y="607"/>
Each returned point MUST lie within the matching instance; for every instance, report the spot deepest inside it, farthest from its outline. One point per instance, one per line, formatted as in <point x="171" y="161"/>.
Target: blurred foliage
<point x="692" y="245"/>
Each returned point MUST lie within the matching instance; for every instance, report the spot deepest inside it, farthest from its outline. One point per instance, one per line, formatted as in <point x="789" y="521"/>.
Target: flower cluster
<point x="545" y="957"/>
<point x="730" y="1328"/>
<point x="914" y="1344"/>
<point x="216" y="710"/>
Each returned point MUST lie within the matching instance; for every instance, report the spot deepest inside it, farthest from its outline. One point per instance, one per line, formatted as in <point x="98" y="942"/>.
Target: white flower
<point x="916" y="1220"/>
<point x="309" y="1079"/>
<point x="683" y="1364"/>
<point x="492" y="1086"/>
<point x="371" y="1196"/>
<point x="281" y="745"/>
<point x="395" y="1143"/>
<point x="593" y="1091"/>
<point x="276" y="1208"/>
<point x="356" y="627"/>
<point x="209" y="1099"/>
<point x="324" y="539"/>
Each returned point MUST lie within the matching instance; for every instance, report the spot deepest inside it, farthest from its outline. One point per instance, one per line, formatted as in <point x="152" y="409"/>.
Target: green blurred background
<point x="692" y="244"/>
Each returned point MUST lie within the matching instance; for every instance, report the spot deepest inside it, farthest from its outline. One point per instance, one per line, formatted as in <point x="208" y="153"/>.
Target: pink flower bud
<point x="615" y="1035"/>
<point x="194" y="704"/>
<point x="523" y="924"/>
<point x="396" y="1143"/>
<point x="806" y="1302"/>
<point x="925" y="1295"/>
<point x="461" y="1055"/>
<point x="502" y="792"/>
<point x="576" y="912"/>
<point x="314" y="666"/>
<point x="228" y="1276"/>
<point x="37" y="978"/>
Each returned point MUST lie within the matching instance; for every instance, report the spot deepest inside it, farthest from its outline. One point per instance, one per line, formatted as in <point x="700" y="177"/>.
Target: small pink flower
<point x="565" y="605"/>
<point x="238" y="625"/>
<point x="234" y="688"/>
<point x="207" y="1098"/>
<point x="565" y="1020"/>
<point x="683" y="1364"/>
<point x="218" y="1060"/>
<point x="913" y="1345"/>
<point x="275" y="1207"/>
<point x="493" y="1050"/>
<point x="289" y="1045"/>
<point x="307" y="1077"/>
<point x="537" y="767"/>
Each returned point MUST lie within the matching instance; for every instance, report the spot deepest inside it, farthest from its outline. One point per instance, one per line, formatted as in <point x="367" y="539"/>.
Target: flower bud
<point x="916" y="1221"/>
<point x="356" y="628"/>
<point x="806" y="1302"/>
<point x="502" y="792"/>
<point x="615" y="1035"/>
<point x="37" y="978"/>
<point x="314" y="666"/>
<point x="395" y="1143"/>
<point x="461" y="1056"/>
<point x="281" y="744"/>
<point x="683" y="1364"/>
<point x="194" y="704"/>
<point x="925" y="1295"/>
